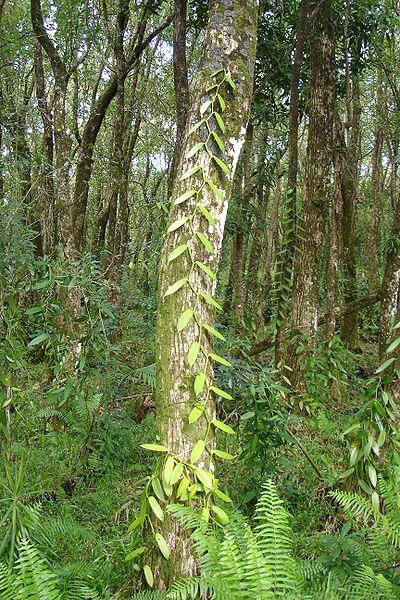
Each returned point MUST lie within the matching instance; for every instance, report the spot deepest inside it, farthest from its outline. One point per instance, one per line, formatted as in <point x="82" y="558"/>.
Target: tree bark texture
<point x="230" y="43"/>
<point x="307" y="268"/>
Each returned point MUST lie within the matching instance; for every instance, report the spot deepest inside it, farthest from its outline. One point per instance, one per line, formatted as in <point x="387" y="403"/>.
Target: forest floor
<point x="87" y="471"/>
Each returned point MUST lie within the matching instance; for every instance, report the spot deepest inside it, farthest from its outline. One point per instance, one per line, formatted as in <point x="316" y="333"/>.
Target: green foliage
<point x="254" y="563"/>
<point x="31" y="579"/>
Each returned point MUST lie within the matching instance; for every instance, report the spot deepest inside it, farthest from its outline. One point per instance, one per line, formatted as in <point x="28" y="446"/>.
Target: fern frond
<point x="353" y="505"/>
<point x="34" y="580"/>
<point x="274" y="536"/>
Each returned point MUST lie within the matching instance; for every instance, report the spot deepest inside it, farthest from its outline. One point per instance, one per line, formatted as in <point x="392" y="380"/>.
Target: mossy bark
<point x="319" y="158"/>
<point x="230" y="44"/>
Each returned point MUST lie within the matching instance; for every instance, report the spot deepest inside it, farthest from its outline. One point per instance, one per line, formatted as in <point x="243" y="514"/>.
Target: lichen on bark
<point x="230" y="44"/>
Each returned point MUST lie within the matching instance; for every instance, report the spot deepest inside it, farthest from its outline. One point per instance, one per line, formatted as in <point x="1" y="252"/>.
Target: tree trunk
<point x="230" y="42"/>
<point x="47" y="188"/>
<point x="240" y="196"/>
<point x="319" y="158"/>
<point x="349" y="328"/>
<point x="336" y="213"/>
<point x="285" y="263"/>
<point x="376" y="191"/>
<point x="181" y="85"/>
<point x="390" y="282"/>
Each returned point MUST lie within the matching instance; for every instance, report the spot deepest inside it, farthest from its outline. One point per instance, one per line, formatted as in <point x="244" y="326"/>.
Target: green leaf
<point x="194" y="150"/>
<point x="176" y="224"/>
<point x="206" y="213"/>
<point x="162" y="544"/>
<point x="196" y="126"/>
<point x="184" y="319"/>
<point x="199" y="382"/>
<point x="222" y="454"/>
<point x="193" y="353"/>
<point x="190" y="172"/>
<point x="136" y="523"/>
<point x="215" y="189"/>
<point x="184" y="196"/>
<point x="385" y="365"/>
<point x="195" y="414"/>
<point x="205" y="241"/>
<point x="213" y="331"/>
<point x="156" y="508"/>
<point x="220" y="360"/>
<point x="157" y="487"/>
<point x="221" y="515"/>
<point x="205" y="477"/>
<point x="197" y="451"/>
<point x="372" y="475"/>
<point x="210" y="300"/>
<point x="176" y="473"/>
<point x="222" y="165"/>
<point x="205" y="106"/>
<point x="221" y="495"/>
<point x="223" y="426"/>
<point x="206" y="270"/>
<point x="135" y="553"/>
<point x="220" y="121"/>
<point x="38" y="339"/>
<point x="352" y="428"/>
<point x="393" y="345"/>
<point x="154" y="447"/>
<point x="221" y="393"/>
<point x="168" y="468"/>
<point x="175" y="287"/>
<point x="33" y="310"/>
<point x="221" y="102"/>
<point x="148" y="573"/>
<point x="177" y="252"/>
<point x="218" y="140"/>
<point x="230" y="82"/>
<point x="247" y="415"/>
<point x="375" y="501"/>
<point x="183" y="486"/>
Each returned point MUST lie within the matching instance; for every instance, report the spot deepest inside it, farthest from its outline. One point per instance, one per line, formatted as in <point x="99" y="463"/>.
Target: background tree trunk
<point x="319" y="158"/>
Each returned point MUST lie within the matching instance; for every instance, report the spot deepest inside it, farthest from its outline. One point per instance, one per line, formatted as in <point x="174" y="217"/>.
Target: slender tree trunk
<point x="285" y="263"/>
<point x="181" y="85"/>
<point x="230" y="42"/>
<point x="349" y="326"/>
<point x="391" y="281"/>
<point x="241" y="199"/>
<point x="47" y="188"/>
<point x="336" y="212"/>
<point x="319" y="158"/>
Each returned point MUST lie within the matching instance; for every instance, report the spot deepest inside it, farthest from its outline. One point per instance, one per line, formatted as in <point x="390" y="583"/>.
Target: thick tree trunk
<point x="319" y="158"/>
<point x="230" y="42"/>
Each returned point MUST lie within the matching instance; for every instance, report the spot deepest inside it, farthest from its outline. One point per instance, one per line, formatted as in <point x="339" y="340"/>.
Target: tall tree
<point x="230" y="43"/>
<point x="307" y="271"/>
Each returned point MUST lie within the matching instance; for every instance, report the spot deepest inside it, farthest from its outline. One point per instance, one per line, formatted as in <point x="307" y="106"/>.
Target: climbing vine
<point x="189" y="481"/>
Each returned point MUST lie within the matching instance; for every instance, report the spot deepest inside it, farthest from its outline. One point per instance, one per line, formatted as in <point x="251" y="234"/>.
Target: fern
<point x="274" y="535"/>
<point x="244" y="564"/>
<point x="31" y="579"/>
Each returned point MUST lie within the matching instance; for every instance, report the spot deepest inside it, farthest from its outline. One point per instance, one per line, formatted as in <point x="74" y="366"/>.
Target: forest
<point x="199" y="299"/>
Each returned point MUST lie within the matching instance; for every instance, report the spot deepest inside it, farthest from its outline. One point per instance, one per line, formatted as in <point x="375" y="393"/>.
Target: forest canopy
<point x="199" y="299"/>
